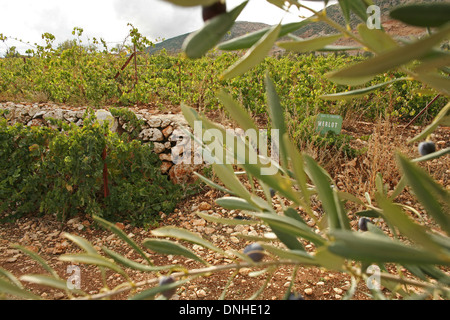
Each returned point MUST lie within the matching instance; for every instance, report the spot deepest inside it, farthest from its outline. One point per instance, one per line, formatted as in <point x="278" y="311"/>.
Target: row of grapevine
<point x="83" y="76"/>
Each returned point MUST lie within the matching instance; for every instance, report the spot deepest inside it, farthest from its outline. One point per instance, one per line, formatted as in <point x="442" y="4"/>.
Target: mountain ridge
<point x="173" y="45"/>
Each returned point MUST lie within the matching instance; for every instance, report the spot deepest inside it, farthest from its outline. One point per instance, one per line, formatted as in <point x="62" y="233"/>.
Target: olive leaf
<point x="362" y="72"/>
<point x="152" y="292"/>
<point x="169" y="247"/>
<point x="185" y="235"/>
<point x="374" y="248"/>
<point x="443" y="118"/>
<point x="305" y="45"/>
<point x="201" y="41"/>
<point x="348" y="95"/>
<point x="111" y="227"/>
<point x="16" y="291"/>
<point x="429" y="193"/>
<point x="255" y="54"/>
<point x="248" y="40"/>
<point x="423" y="14"/>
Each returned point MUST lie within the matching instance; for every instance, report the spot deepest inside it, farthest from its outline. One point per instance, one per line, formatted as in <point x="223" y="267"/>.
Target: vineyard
<point x="82" y="76"/>
<point x="370" y="195"/>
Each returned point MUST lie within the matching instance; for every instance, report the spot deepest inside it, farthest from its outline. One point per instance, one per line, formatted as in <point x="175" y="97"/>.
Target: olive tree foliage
<point x="364" y="255"/>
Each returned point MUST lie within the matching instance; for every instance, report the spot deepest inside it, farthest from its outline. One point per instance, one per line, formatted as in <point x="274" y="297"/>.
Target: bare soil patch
<point x="45" y="235"/>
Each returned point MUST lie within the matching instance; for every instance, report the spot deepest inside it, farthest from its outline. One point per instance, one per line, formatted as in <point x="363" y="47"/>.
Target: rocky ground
<point x="46" y="236"/>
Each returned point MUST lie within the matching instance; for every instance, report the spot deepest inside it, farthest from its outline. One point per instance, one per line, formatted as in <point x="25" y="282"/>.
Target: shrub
<point x="47" y="171"/>
<point x="303" y="132"/>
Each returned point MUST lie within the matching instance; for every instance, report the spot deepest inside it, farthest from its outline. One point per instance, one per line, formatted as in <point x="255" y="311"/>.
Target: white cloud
<point x="29" y="19"/>
<point x="156" y="18"/>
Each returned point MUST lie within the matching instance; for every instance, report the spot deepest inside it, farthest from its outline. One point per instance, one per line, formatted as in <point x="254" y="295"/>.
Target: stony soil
<point x="45" y="235"/>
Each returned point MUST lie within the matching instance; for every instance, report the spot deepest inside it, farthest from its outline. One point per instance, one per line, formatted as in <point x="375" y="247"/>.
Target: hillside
<point x="173" y="45"/>
<point x="334" y="12"/>
<point x="391" y="26"/>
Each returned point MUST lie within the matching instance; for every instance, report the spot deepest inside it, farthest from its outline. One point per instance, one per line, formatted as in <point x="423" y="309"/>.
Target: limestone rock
<point x="33" y="110"/>
<point x="54" y="114"/>
<point x="167" y="131"/>
<point x="308" y="291"/>
<point x="39" y="114"/>
<point x="103" y="115"/>
<point x="35" y="122"/>
<point x="165" y="122"/>
<point x="204" y="206"/>
<point x="21" y="115"/>
<point x="165" y="157"/>
<point x="165" y="167"/>
<point x="151" y="134"/>
<point x="158" y="147"/>
<point x="154" y="122"/>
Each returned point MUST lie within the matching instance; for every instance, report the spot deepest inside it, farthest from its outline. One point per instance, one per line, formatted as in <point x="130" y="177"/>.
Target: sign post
<point x="328" y="122"/>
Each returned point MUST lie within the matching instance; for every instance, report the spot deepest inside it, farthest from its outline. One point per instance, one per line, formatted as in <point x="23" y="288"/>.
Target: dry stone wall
<point x="162" y="130"/>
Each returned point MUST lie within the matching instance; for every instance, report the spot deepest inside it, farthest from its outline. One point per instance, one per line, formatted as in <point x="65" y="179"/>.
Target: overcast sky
<point x="29" y="19"/>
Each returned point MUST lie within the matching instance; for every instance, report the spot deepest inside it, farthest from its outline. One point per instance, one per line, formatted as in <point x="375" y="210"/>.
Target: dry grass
<point x="381" y="141"/>
<point x="358" y="176"/>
